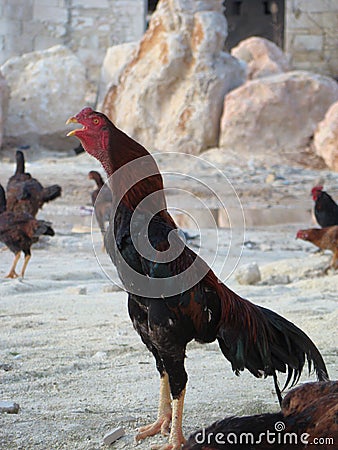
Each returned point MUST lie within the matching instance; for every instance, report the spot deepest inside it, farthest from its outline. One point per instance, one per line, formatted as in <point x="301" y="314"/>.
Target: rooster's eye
<point x="96" y="121"/>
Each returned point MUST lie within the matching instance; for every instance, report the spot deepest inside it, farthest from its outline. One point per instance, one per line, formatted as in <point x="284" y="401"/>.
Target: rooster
<point x="173" y="300"/>
<point x="25" y="193"/>
<point x="19" y="231"/>
<point x="325" y="209"/>
<point x="324" y="238"/>
<point x="309" y="416"/>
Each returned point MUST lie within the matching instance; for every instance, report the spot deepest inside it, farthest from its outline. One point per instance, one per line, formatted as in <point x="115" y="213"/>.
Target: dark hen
<point x="25" y="193"/>
<point x="19" y="231"/>
<point x="325" y="209"/>
<point x="308" y="419"/>
<point x="173" y="300"/>
<point x="101" y="200"/>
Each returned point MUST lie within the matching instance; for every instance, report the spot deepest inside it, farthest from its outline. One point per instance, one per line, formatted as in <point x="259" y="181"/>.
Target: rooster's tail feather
<point x="51" y="193"/>
<point x="263" y="342"/>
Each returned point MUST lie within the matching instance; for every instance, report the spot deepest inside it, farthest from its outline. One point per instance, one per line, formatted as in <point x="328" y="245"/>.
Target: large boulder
<point x="115" y="61"/>
<point x="276" y="116"/>
<point x="170" y="95"/>
<point x="4" y="96"/>
<point x="263" y="57"/>
<point x="46" y="87"/>
<point x="326" y="138"/>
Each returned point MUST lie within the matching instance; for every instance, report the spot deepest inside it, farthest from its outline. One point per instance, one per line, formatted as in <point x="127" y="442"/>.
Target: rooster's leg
<point x="176" y="438"/>
<point x="12" y="273"/>
<point x="162" y="423"/>
<point x="24" y="267"/>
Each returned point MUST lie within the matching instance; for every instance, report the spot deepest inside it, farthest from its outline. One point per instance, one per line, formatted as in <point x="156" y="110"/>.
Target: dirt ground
<point x="69" y="355"/>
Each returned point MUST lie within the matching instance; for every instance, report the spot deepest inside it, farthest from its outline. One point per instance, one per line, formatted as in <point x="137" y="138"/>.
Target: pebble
<point x="6" y="367"/>
<point x="248" y="274"/>
<point x="100" y="355"/>
<point x="113" y="435"/>
<point x="271" y="177"/>
<point x="9" y="407"/>
<point x="77" y="290"/>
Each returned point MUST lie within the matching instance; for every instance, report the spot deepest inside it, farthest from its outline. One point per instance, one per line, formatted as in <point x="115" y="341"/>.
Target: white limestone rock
<point x="274" y="117"/>
<point x="46" y="87"/>
<point x="263" y="57"/>
<point x="326" y="138"/>
<point x="170" y="95"/>
<point x="115" y="61"/>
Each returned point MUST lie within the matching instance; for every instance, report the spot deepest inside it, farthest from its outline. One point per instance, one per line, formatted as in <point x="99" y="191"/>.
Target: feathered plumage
<point x="101" y="200"/>
<point x="168" y="313"/>
<point x="323" y="238"/>
<point x="325" y="208"/>
<point x="25" y="193"/>
<point x="309" y="417"/>
<point x="19" y="231"/>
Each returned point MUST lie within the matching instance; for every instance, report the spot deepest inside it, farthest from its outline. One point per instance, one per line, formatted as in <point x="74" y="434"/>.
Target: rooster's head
<point x="94" y="134"/>
<point x="316" y="191"/>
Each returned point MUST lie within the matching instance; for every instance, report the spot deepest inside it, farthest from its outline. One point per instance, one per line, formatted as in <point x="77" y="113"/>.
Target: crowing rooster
<point x="174" y="304"/>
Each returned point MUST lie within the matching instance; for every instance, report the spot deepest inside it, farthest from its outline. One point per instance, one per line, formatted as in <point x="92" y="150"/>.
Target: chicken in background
<point x="19" y="231"/>
<point x="249" y="336"/>
<point x="25" y="193"/>
<point x="323" y="238"/>
<point x="101" y="200"/>
<point x="325" y="208"/>
<point x="308" y="417"/>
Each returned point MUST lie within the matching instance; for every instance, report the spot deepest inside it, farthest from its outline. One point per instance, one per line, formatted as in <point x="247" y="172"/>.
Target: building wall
<point x="311" y="35"/>
<point x="88" y="27"/>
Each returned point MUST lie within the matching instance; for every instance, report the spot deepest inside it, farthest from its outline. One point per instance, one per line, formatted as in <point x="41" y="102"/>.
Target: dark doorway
<point x="151" y="8"/>
<point x="254" y="18"/>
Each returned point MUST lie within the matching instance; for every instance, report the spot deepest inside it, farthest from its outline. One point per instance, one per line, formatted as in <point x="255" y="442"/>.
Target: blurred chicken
<point x="25" y="193"/>
<point x="101" y="200"/>
<point x="18" y="231"/>
<point x="309" y="416"/>
<point x="323" y="238"/>
<point x="325" y="209"/>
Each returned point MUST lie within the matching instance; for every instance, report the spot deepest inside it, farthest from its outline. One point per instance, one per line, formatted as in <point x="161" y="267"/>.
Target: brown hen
<point x="19" y="231"/>
<point x="323" y="238"/>
<point x="25" y="193"/>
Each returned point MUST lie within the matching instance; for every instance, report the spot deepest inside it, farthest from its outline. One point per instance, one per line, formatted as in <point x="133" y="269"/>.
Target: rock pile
<point x="177" y="90"/>
<point x="170" y="94"/>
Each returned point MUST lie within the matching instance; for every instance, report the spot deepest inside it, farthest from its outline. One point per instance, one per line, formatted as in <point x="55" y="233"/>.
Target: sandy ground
<point x="69" y="355"/>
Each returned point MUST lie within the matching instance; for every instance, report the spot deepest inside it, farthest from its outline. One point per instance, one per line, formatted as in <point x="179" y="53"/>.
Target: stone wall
<point x="311" y="35"/>
<point x="88" y="27"/>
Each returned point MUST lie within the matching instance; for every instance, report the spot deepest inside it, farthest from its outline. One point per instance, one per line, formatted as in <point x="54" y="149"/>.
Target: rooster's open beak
<point x="71" y="120"/>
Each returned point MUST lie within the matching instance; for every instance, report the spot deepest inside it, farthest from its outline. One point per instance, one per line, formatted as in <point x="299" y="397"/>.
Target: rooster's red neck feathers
<point x="116" y="150"/>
